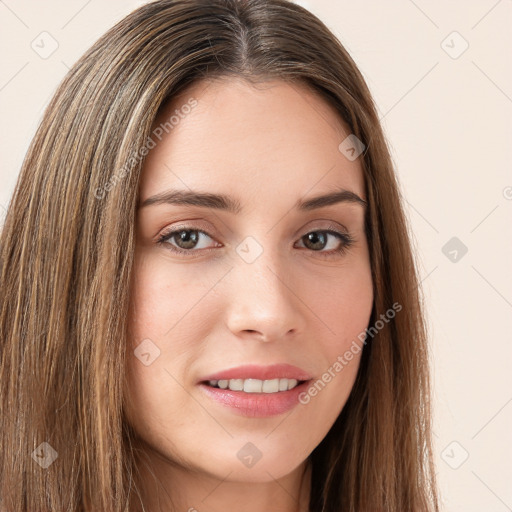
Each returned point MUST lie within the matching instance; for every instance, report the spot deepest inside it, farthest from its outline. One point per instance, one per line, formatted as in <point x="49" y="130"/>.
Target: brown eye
<point x="188" y="241"/>
<point x="184" y="240"/>
<point x="317" y="241"/>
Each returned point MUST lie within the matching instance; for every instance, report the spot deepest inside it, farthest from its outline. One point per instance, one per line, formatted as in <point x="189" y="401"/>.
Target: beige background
<point x="448" y="118"/>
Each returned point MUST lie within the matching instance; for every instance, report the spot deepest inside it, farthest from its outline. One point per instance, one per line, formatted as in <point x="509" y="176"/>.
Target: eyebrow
<point x="232" y="205"/>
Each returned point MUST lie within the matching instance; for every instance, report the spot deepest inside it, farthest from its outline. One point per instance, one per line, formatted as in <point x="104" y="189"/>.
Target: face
<point x="248" y="291"/>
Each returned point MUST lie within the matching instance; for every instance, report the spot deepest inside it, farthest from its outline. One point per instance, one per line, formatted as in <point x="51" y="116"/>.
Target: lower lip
<point x="257" y="405"/>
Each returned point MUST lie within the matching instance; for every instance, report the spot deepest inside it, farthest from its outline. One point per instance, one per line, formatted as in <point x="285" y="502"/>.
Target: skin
<point x="267" y="146"/>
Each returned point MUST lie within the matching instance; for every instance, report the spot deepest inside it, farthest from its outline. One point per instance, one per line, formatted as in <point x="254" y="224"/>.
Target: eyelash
<point x="345" y="238"/>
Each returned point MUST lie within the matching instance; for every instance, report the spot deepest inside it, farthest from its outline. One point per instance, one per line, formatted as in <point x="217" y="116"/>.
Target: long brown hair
<point x="66" y="255"/>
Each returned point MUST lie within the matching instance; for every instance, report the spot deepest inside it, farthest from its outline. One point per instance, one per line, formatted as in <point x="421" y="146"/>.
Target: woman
<point x="209" y="295"/>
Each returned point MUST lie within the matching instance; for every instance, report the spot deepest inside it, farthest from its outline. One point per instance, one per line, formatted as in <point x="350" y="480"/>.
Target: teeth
<point x="236" y="384"/>
<point x="255" y="385"/>
<point x="270" y="386"/>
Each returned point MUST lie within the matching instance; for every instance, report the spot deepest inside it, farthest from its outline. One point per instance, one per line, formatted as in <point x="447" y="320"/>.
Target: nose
<point x="264" y="300"/>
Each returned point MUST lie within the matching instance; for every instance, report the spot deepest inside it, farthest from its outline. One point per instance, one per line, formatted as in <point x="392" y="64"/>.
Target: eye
<point x="318" y="240"/>
<point x="187" y="240"/>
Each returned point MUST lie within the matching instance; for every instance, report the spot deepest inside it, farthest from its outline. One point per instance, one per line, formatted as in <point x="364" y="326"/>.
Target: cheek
<point x="341" y="356"/>
<point x="344" y="301"/>
<point x="345" y="307"/>
<point x="150" y="314"/>
<point x="167" y="318"/>
<point x="166" y="296"/>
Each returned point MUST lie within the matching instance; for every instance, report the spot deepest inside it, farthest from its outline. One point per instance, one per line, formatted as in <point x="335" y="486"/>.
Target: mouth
<point x="255" y="385"/>
<point x="257" y="401"/>
<point x="257" y="391"/>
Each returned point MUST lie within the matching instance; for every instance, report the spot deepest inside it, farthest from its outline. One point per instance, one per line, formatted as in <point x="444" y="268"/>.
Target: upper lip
<point x="253" y="371"/>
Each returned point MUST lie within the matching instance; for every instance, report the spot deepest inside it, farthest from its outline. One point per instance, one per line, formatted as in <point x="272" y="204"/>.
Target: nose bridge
<point x="263" y="299"/>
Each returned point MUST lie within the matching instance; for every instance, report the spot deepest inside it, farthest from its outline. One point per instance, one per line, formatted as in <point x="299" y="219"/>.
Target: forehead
<point x="227" y="135"/>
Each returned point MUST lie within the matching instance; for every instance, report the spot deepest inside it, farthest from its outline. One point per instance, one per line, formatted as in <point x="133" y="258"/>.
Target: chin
<point x="254" y="462"/>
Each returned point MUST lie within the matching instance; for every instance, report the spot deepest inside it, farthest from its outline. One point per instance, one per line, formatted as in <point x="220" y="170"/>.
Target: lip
<point x="257" y="405"/>
<point x="254" y="371"/>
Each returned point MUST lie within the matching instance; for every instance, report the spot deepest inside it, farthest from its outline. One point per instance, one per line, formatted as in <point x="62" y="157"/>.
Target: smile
<point x="255" y="385"/>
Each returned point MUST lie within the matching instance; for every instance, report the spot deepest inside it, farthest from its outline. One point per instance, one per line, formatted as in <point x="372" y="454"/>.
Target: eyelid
<point x="201" y="226"/>
<point x="191" y="225"/>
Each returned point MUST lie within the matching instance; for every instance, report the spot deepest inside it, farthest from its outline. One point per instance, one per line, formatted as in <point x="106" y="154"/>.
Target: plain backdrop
<point x="443" y="85"/>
